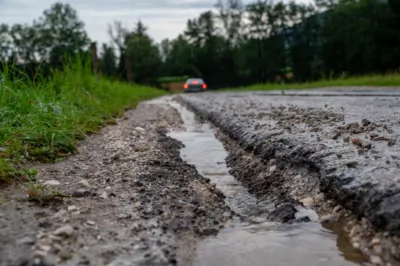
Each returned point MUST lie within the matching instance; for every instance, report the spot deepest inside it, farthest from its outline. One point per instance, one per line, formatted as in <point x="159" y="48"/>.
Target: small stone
<point x="382" y="138"/>
<point x="325" y="218"/>
<point x="272" y="169"/>
<point x="307" y="202"/>
<point x="351" y="164"/>
<point x="39" y="253"/>
<point x="85" y="183"/>
<point x="45" y="224"/>
<point x="52" y="183"/>
<point x="65" y="230"/>
<point x="2" y="149"/>
<point x="375" y="241"/>
<point x="304" y="219"/>
<point x="26" y="241"/>
<point x="140" y="129"/>
<point x="355" y="141"/>
<point x="336" y="209"/>
<point x="356" y="245"/>
<point x="80" y="193"/>
<point x="45" y="248"/>
<point x="72" y="208"/>
<point x="375" y="260"/>
<point x="60" y="214"/>
<point x="365" y="122"/>
<point x="104" y="195"/>
<point x="272" y="161"/>
<point x="90" y="222"/>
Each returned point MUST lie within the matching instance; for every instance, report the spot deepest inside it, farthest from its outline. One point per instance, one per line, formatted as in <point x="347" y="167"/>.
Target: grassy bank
<point x="371" y="80"/>
<point x="42" y="120"/>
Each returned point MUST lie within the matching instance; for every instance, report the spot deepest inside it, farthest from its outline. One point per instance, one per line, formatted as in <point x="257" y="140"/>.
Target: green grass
<point x="371" y="80"/>
<point x="172" y="79"/>
<point x="43" y="120"/>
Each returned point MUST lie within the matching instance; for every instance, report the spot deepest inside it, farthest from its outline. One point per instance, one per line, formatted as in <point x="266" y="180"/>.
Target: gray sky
<point x="164" y="18"/>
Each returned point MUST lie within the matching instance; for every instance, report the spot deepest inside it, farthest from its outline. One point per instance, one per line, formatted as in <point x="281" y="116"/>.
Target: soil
<point x="131" y="200"/>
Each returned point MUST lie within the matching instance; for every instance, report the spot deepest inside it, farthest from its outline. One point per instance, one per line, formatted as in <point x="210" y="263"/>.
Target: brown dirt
<point x="135" y="201"/>
<point x="174" y="86"/>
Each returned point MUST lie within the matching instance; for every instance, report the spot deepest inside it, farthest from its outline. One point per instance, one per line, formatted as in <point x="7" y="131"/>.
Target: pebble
<point x="60" y="214"/>
<point x="45" y="248"/>
<point x="355" y="141"/>
<point x="307" y="202"/>
<point x="72" y="208"/>
<point x="376" y="260"/>
<point x="365" y="122"/>
<point x="140" y="129"/>
<point x="85" y="183"/>
<point x="104" y="195"/>
<point x="90" y="222"/>
<point x="375" y="241"/>
<point x="325" y="218"/>
<point x="65" y="230"/>
<point x="39" y="253"/>
<point x="351" y="164"/>
<point x="272" y="169"/>
<point x="80" y="193"/>
<point x="52" y="183"/>
<point x="337" y="208"/>
<point x="26" y="241"/>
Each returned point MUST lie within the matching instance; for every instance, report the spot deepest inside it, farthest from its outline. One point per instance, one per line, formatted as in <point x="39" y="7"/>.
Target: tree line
<point x="231" y="45"/>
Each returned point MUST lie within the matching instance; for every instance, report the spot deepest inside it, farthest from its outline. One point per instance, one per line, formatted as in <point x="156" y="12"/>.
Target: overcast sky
<point x="164" y="18"/>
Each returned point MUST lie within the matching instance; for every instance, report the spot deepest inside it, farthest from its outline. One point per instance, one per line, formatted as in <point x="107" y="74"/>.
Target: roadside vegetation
<point x="42" y="120"/>
<point x="389" y="80"/>
<point x="234" y="44"/>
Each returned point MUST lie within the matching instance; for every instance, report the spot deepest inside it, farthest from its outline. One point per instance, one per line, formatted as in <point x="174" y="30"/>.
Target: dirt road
<point x="266" y="183"/>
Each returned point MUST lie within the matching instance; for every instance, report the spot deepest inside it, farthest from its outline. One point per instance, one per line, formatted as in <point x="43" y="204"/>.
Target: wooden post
<point x="128" y="68"/>
<point x="95" y="59"/>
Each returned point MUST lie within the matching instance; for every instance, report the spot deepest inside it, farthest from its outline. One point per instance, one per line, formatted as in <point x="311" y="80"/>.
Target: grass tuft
<point x="370" y="80"/>
<point x="42" y="120"/>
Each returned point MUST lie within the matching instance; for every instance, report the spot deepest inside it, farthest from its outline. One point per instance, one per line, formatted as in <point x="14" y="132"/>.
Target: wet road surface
<point x="252" y="239"/>
<point x="351" y="142"/>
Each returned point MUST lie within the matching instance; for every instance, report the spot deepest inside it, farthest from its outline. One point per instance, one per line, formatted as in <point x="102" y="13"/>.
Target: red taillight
<point x="204" y="86"/>
<point x="195" y="82"/>
<point x="186" y="86"/>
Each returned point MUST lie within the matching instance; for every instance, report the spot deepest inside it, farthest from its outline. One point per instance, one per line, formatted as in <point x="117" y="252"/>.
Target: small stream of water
<point x="253" y="240"/>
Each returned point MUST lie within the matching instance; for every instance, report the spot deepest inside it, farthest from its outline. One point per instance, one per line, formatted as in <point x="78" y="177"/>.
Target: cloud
<point x="164" y="18"/>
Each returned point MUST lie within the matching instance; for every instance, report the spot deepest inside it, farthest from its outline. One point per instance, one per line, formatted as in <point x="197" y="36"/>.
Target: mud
<point x="326" y="155"/>
<point x="136" y="202"/>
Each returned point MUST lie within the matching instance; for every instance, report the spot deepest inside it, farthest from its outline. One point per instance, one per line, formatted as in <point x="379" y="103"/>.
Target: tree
<point x="61" y="33"/>
<point x="143" y="54"/>
<point x="108" y="61"/>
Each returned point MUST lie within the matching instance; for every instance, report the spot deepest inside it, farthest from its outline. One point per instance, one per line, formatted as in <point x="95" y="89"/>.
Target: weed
<point x="42" y="120"/>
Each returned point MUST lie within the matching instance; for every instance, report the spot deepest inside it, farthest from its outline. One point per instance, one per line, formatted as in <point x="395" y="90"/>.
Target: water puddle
<point x="253" y="240"/>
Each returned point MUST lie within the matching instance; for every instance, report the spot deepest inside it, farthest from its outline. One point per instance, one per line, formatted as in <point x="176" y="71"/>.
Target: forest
<point x="230" y="45"/>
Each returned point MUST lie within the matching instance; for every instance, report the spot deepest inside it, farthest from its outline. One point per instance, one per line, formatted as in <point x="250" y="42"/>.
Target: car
<point x="195" y="85"/>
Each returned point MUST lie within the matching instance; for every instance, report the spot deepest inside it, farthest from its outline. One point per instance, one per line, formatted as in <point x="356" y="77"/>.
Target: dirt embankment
<point x="133" y="200"/>
<point x="281" y="149"/>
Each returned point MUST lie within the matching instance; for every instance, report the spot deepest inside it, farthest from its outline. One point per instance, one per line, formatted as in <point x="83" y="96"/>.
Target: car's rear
<point x="195" y="85"/>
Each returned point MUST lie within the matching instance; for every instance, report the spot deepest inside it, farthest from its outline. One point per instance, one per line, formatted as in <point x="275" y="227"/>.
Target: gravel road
<point x="344" y="147"/>
<point x="133" y="201"/>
